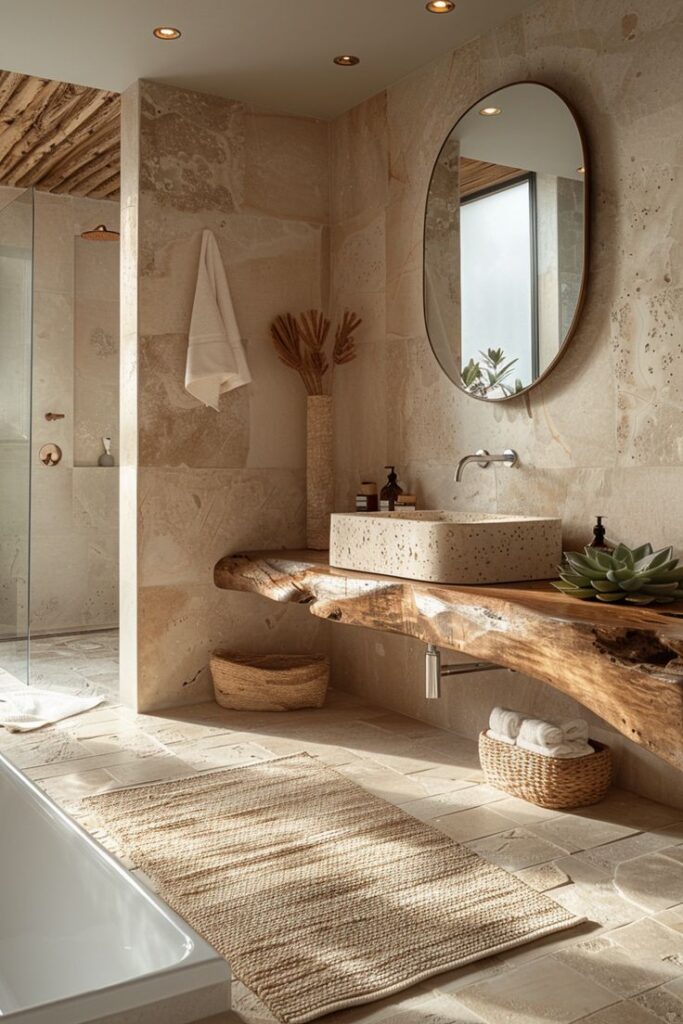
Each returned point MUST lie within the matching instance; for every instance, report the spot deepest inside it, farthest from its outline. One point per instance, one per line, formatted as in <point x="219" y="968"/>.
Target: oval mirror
<point x="506" y="241"/>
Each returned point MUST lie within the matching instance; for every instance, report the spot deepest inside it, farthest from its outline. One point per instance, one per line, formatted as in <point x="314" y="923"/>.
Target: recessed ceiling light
<point x="167" y="32"/>
<point x="346" y="60"/>
<point x="490" y="111"/>
<point x="580" y="170"/>
<point x="440" y="6"/>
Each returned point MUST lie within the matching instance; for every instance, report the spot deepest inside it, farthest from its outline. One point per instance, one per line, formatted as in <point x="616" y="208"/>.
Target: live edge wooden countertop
<point x="623" y="662"/>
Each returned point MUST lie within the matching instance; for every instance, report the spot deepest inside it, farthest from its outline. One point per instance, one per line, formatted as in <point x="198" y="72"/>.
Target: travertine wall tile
<point x="283" y="159"/>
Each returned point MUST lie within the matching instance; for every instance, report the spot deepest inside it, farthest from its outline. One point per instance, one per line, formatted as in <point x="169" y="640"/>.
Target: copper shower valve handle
<point x="50" y="454"/>
<point x="54" y="416"/>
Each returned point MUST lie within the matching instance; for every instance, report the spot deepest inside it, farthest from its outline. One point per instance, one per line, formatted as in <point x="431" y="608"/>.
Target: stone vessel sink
<point x="447" y="547"/>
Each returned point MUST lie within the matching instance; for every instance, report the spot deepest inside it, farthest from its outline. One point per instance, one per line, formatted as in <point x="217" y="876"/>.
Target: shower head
<point x="100" y="234"/>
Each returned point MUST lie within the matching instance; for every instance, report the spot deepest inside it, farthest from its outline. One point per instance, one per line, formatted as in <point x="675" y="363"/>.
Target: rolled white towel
<point x="575" y="729"/>
<point x="561" y="750"/>
<point x="504" y="722"/>
<point x="540" y="733"/>
<point x="500" y="737"/>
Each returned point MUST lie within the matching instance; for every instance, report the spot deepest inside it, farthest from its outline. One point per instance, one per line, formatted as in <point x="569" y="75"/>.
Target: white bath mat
<point x="24" y="709"/>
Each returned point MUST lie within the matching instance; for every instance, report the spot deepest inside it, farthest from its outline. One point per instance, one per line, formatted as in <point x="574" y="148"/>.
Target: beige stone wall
<point x="74" y="506"/>
<point x="604" y="434"/>
<point x="196" y="483"/>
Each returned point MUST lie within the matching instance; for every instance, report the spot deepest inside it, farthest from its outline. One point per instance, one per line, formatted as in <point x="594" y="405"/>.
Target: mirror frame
<point x="586" y="242"/>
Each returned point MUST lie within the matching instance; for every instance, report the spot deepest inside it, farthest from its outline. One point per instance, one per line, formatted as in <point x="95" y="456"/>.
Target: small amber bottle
<point x="366" y="499"/>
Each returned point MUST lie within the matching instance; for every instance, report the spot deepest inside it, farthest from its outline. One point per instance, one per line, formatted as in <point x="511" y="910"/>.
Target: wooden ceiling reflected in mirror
<point x="506" y="241"/>
<point x="59" y="137"/>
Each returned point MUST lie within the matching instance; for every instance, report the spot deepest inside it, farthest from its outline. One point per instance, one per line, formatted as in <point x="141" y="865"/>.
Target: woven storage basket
<point x="547" y="781"/>
<point x="269" y="682"/>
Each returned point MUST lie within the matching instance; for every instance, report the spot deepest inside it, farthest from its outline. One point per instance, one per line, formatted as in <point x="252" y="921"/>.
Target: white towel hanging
<point x="215" y="355"/>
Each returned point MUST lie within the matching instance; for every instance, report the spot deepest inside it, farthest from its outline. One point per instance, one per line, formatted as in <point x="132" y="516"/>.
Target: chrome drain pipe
<point x="434" y="671"/>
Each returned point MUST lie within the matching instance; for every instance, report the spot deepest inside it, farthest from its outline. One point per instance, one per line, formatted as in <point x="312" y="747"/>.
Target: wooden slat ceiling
<point x="59" y="137"/>
<point x="476" y="175"/>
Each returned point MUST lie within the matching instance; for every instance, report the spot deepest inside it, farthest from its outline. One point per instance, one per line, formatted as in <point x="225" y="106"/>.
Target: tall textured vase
<point x="319" y="471"/>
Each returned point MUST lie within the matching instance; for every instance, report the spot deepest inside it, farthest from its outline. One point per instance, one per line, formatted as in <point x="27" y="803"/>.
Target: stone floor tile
<point x="131" y="740"/>
<point x="516" y="849"/>
<point x="383" y="782"/>
<point x="522" y="812"/>
<point x="332" y="756"/>
<point x="543" y="877"/>
<point x="224" y="756"/>
<point x="653" y="882"/>
<point x="448" y="748"/>
<point x="626" y="1012"/>
<point x="527" y="995"/>
<point x="42" y="747"/>
<point x="451" y="772"/>
<point x="429" y="1008"/>
<point x="450" y="982"/>
<point x="249" y="1007"/>
<point x="592" y="895"/>
<point x="222" y="1018"/>
<point x="407" y="761"/>
<point x="575" y="832"/>
<point x="434" y="785"/>
<point x="611" y="854"/>
<point x="150" y="769"/>
<point x="79" y="784"/>
<point x="624" y="808"/>
<point x="672" y="918"/>
<point x="629" y="960"/>
<point x="84" y="730"/>
<point x="473" y="823"/>
<point x="665" y="1004"/>
<point x="544" y="948"/>
<point x="452" y="801"/>
<point x="401" y="725"/>
<point x="85" y="764"/>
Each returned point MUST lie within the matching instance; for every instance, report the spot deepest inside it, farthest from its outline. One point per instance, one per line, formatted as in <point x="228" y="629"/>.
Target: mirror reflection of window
<point x="498" y="287"/>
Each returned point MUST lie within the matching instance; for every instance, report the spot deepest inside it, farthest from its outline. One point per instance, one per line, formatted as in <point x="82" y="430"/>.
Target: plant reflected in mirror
<point x="491" y="374"/>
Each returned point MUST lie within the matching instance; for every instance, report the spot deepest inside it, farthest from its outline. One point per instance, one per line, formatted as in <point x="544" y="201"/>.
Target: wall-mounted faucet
<point x="483" y="459"/>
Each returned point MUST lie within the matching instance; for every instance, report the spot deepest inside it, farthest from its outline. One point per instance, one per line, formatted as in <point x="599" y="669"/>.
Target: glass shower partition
<point x="16" y="315"/>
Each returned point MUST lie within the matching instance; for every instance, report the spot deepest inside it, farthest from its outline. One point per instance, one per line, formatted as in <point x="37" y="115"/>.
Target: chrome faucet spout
<point x="509" y="457"/>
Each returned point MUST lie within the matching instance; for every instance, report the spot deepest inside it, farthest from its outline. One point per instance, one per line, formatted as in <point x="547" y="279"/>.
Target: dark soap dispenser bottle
<point x="599" y="536"/>
<point x="390" y="492"/>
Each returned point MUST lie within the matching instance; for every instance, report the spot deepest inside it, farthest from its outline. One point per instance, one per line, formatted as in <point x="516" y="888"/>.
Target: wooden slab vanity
<point x="622" y="662"/>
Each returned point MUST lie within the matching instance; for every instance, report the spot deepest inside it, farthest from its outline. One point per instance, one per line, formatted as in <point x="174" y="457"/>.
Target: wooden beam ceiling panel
<point x="56" y="165"/>
<point x="476" y="175"/>
<point x="59" y="137"/>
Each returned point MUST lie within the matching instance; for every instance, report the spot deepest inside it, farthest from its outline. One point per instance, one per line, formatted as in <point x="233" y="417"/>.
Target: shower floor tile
<point x="79" y="663"/>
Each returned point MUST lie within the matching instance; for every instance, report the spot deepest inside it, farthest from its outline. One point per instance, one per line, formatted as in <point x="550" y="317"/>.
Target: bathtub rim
<point x="200" y="963"/>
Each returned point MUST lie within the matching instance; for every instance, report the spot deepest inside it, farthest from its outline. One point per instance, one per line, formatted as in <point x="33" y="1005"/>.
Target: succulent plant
<point x="637" y="575"/>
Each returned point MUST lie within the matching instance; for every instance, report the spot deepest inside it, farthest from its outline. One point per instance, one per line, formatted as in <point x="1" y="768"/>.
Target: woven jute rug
<point x="320" y="895"/>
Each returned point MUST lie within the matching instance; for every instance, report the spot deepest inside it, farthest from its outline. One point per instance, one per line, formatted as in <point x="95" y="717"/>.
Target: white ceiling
<point x="535" y="130"/>
<point x="274" y="53"/>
